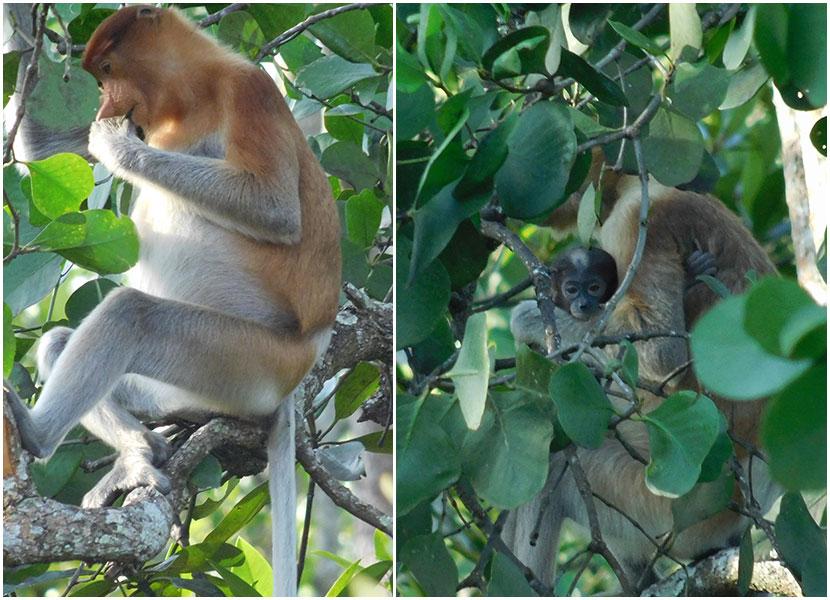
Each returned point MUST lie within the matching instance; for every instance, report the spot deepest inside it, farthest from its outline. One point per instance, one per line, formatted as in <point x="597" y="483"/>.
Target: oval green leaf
<point x="506" y="458"/>
<point x="60" y="183"/>
<point x="471" y="372"/>
<point x="681" y="432"/>
<point x="541" y="151"/>
<point x="583" y="409"/>
<point x="730" y="362"/>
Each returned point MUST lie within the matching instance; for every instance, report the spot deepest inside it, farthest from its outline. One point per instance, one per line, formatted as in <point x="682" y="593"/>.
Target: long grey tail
<point x="283" y="487"/>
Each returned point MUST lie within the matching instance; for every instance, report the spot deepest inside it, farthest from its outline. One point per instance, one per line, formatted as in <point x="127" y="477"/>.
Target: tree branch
<point x="290" y="34"/>
<point x="42" y="530"/>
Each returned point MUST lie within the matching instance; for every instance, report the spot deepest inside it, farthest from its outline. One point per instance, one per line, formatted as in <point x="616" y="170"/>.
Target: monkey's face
<point x="582" y="297"/>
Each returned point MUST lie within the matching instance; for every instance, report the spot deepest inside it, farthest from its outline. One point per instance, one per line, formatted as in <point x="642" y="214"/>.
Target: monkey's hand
<point x="699" y="262"/>
<point x="115" y="143"/>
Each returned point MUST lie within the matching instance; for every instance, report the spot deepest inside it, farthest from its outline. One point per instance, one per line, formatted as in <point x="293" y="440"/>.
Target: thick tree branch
<point x="40" y="529"/>
<point x="717" y="575"/>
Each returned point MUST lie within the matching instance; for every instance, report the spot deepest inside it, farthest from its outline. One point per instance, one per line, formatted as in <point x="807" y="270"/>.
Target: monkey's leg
<point x="233" y="366"/>
<point x="139" y="452"/>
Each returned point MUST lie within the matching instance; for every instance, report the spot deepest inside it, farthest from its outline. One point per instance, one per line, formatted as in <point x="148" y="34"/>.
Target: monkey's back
<point x="679" y="223"/>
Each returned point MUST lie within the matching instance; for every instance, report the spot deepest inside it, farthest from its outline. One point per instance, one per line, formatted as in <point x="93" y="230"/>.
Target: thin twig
<point x="598" y="545"/>
<point x="542" y="282"/>
<point x="219" y="15"/>
<point x="499" y="299"/>
<point x="468" y="497"/>
<point x="290" y="34"/>
<point x="28" y="85"/>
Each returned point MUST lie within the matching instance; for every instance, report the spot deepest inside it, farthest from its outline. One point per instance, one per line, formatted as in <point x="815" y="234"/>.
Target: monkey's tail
<point x="283" y="487"/>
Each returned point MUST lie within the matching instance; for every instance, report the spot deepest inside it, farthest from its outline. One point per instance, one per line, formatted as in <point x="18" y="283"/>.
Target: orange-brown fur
<point x="178" y="107"/>
<point x="678" y="223"/>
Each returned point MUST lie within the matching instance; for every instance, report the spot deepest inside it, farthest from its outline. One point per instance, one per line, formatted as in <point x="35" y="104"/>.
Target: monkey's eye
<point x="106" y="68"/>
<point x="595" y="288"/>
<point x="571" y="290"/>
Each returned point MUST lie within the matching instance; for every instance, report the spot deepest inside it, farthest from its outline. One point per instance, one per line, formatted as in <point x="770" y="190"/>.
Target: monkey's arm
<point x="527" y="327"/>
<point x="266" y="208"/>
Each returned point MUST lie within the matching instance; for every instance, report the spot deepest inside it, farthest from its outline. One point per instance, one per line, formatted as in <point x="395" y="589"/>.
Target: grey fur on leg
<point x="49" y="348"/>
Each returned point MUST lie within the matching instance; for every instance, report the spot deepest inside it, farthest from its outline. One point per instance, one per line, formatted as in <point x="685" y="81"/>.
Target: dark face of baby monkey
<point x="583" y="280"/>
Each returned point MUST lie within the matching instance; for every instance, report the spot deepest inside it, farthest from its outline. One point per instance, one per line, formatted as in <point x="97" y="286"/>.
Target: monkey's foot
<point x="159" y="447"/>
<point x="129" y="471"/>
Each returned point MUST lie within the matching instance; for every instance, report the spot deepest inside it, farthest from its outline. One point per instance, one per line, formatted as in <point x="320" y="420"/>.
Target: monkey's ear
<point x="148" y="12"/>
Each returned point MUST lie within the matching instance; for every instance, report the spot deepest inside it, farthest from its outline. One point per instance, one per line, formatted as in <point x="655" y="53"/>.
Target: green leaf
<point x="582" y="407"/>
<point x="775" y="319"/>
<point x="363" y="213"/>
<point x="431" y="564"/>
<point x="418" y="307"/>
<point x="347" y="161"/>
<point x="818" y="135"/>
<point x="518" y="53"/>
<point x="426" y="460"/>
<point x="50" y="477"/>
<point x="435" y="224"/>
<point x="240" y="31"/>
<point x="11" y="62"/>
<point x="82" y="26"/>
<point x="28" y="278"/>
<point x="489" y="157"/>
<point x="409" y="76"/>
<point x="330" y="75"/>
<point x="533" y="371"/>
<point x="207" y="474"/>
<point x="698" y="89"/>
<point x="722" y="449"/>
<point x="234" y="583"/>
<point x="419" y="108"/>
<point x="447" y="161"/>
<point x="746" y="562"/>
<point x="794" y="432"/>
<point x="506" y="458"/>
<point x="771" y="40"/>
<point x="806" y="41"/>
<point x="361" y="382"/>
<point x="239" y="516"/>
<point x="572" y="65"/>
<point x="274" y="19"/>
<point x="379" y="442"/>
<point x="383" y="545"/>
<point x="586" y="218"/>
<point x="743" y="85"/>
<point x="541" y="150"/>
<point x="255" y="569"/>
<point x="60" y="105"/>
<point x="803" y="545"/>
<point x="9" y="341"/>
<point x="471" y="372"/>
<point x="109" y="244"/>
<point x="686" y="31"/>
<point x="681" y="432"/>
<point x="506" y="579"/>
<point x="350" y="34"/>
<point x="632" y="36"/>
<point x="630" y="364"/>
<point x="86" y="298"/>
<point x="730" y="362"/>
<point x="60" y="183"/>
<point x="373" y="573"/>
<point x="673" y="148"/>
<point x="739" y="41"/>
